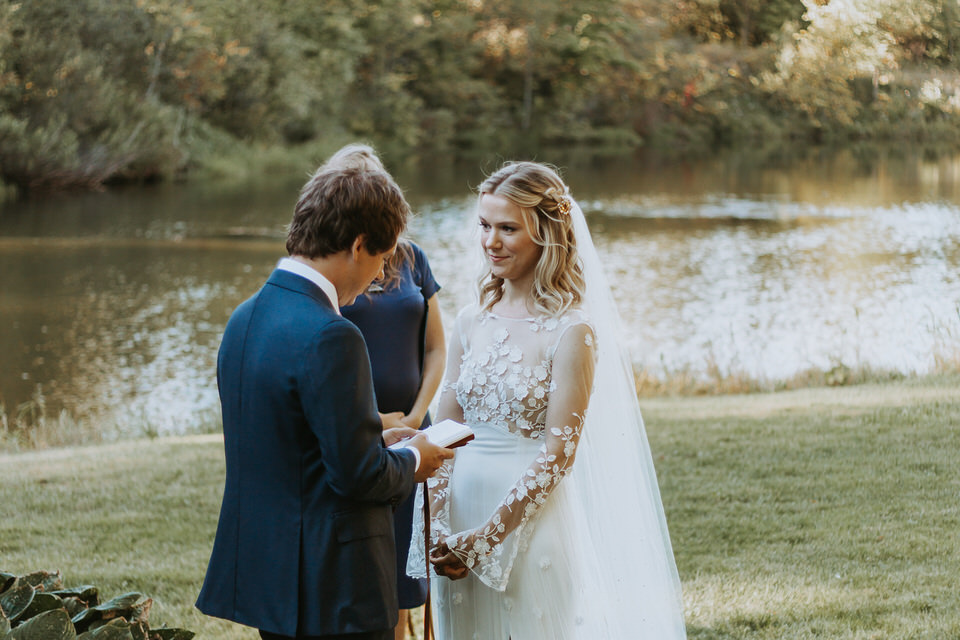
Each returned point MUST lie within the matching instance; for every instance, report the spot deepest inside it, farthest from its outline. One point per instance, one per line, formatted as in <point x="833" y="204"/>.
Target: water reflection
<point x="130" y="329"/>
<point x="771" y="299"/>
<point x="114" y="302"/>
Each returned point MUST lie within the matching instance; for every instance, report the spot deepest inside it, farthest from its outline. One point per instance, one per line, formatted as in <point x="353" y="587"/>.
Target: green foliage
<point x="748" y="22"/>
<point x="99" y="90"/>
<point x="926" y="29"/>
<point x="69" y="115"/>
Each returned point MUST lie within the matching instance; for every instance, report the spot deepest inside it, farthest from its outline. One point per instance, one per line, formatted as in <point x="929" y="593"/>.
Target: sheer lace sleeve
<point x="438" y="484"/>
<point x="572" y="375"/>
<point x="448" y="408"/>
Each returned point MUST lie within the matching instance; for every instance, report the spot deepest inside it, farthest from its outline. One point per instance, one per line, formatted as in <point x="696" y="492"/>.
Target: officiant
<point x="399" y="317"/>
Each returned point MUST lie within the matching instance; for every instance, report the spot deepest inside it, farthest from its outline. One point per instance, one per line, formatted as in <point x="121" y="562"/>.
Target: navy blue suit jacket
<point x="304" y="544"/>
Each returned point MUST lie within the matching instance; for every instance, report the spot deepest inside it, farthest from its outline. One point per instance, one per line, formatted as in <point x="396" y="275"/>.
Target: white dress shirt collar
<point x="314" y="276"/>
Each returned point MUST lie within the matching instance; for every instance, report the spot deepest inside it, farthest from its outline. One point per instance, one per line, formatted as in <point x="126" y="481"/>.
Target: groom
<point x="304" y="547"/>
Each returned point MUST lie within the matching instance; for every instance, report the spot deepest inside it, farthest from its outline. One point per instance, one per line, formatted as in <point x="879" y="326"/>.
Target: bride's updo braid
<point x="545" y="203"/>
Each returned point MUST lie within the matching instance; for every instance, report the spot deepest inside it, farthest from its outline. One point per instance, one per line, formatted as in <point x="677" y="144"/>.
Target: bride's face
<point x="509" y="249"/>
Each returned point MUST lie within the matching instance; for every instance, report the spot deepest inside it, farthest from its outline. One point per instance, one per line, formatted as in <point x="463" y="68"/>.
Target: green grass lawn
<point x="818" y="513"/>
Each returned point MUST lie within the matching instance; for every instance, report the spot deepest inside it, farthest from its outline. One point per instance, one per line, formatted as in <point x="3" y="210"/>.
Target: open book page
<point x="446" y="433"/>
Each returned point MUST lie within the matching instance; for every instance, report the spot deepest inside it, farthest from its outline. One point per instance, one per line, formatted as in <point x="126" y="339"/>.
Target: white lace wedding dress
<point x="516" y="508"/>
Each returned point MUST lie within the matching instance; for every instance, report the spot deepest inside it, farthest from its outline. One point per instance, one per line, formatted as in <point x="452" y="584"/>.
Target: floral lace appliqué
<point x="501" y="386"/>
<point x="505" y="382"/>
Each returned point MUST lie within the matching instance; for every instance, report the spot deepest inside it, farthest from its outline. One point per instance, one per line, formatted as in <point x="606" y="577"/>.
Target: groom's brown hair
<point x="337" y="206"/>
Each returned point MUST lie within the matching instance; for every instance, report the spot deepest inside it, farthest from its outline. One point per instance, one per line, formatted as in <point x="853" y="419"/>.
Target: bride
<point x="549" y="524"/>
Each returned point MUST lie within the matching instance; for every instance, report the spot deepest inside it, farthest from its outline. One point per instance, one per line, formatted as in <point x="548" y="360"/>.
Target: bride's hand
<point x="471" y="544"/>
<point x="446" y="563"/>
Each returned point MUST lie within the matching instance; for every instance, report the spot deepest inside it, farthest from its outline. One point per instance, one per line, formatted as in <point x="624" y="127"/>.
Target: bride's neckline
<point x="502" y="316"/>
<point x="513" y="311"/>
<point x="527" y="317"/>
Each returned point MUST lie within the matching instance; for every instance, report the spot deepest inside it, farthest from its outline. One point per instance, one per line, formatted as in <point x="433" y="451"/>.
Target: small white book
<point x="446" y="433"/>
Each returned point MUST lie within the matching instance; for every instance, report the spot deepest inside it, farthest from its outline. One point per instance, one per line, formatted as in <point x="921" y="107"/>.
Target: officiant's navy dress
<point x="393" y="323"/>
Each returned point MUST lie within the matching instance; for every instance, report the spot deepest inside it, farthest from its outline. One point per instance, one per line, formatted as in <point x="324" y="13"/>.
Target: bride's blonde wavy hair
<point x="545" y="203"/>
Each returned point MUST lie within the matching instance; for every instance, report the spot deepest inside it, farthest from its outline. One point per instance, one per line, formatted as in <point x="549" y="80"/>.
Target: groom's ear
<point x="359" y="244"/>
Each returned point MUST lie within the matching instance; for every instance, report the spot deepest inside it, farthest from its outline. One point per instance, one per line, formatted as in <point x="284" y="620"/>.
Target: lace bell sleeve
<point x="572" y="372"/>
<point x="448" y="407"/>
<point x="438" y="484"/>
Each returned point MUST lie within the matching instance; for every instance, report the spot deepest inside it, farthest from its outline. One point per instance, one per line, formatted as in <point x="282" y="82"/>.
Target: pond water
<point x="112" y="304"/>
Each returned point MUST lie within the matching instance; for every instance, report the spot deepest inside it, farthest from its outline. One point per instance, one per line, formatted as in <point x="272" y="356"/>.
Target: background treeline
<point x="99" y="90"/>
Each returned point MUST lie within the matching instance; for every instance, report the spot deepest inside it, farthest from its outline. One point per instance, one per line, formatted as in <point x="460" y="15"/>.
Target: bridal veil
<point x="631" y="580"/>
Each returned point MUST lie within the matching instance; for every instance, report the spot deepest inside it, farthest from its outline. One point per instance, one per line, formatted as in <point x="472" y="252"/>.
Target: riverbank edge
<point x="898" y="392"/>
<point x="674" y="398"/>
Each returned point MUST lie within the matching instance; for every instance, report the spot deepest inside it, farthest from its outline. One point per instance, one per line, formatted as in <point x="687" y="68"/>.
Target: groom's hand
<point x="431" y="456"/>
<point x="446" y="563"/>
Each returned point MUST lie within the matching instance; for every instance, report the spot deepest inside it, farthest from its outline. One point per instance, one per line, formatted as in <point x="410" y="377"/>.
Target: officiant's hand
<point x="411" y="421"/>
<point x="431" y="456"/>
<point x="396" y="434"/>
<point x="446" y="563"/>
<point x="392" y="420"/>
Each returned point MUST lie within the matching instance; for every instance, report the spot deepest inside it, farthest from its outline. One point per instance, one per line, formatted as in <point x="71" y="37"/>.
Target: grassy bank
<point x="823" y="512"/>
<point x="817" y="513"/>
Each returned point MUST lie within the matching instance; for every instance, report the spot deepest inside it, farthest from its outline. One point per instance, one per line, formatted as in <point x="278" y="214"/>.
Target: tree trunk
<point x="527" y="95"/>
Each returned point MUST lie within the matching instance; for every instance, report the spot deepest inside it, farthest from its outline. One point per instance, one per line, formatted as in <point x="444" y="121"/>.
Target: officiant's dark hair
<point x="337" y="206"/>
<point x="363" y="156"/>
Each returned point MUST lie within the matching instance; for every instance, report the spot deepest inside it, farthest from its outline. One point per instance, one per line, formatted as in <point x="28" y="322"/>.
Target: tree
<point x="748" y="22"/>
<point x="844" y="40"/>
<point x="68" y="116"/>
<point x="925" y="29"/>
